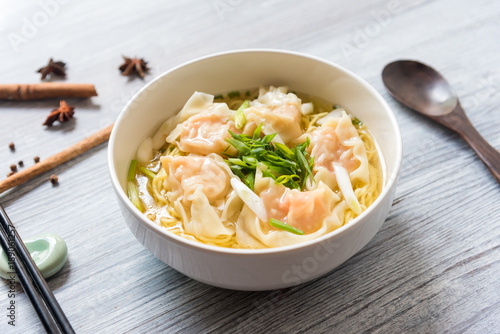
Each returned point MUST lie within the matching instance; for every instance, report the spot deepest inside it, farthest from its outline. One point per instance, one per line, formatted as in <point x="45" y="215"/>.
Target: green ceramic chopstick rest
<point x="48" y="250"/>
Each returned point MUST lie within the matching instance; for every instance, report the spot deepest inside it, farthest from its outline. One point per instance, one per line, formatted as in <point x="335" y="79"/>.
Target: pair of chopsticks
<point x="32" y="281"/>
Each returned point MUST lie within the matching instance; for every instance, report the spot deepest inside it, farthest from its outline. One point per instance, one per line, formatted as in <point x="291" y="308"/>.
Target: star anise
<point x="53" y="68"/>
<point x="62" y="114"/>
<point x="134" y="65"/>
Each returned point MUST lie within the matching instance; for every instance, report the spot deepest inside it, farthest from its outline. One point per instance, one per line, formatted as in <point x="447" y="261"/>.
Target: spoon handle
<point x="458" y="121"/>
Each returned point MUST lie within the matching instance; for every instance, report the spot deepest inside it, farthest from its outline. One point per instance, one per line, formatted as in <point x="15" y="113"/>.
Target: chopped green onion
<point x="269" y="138"/>
<point x="146" y="172"/>
<point x="285" y="227"/>
<point x="288" y="166"/>
<point x="285" y="150"/>
<point x="247" y="93"/>
<point x="290" y="180"/>
<point x="239" y="118"/>
<point x="233" y="94"/>
<point x="266" y="173"/>
<point x="356" y="121"/>
<point x="237" y="162"/>
<point x="287" y="178"/>
<point x="256" y="133"/>
<point x="258" y="151"/>
<point x="250" y="161"/>
<point x="276" y="168"/>
<point x="239" y="145"/>
<point x="218" y="97"/>
<point x="131" y="170"/>
<point x="133" y="195"/>
<point x="302" y="160"/>
<point x="250" y="180"/>
<point x="336" y="107"/>
<point x="237" y="170"/>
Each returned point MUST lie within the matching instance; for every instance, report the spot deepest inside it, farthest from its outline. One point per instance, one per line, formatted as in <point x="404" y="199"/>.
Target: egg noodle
<point x="161" y="211"/>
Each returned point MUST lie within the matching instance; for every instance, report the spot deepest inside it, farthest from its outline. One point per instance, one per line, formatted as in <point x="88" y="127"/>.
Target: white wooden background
<point x="433" y="268"/>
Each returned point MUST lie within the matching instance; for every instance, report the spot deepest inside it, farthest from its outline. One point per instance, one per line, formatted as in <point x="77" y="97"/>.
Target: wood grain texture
<point x="433" y="267"/>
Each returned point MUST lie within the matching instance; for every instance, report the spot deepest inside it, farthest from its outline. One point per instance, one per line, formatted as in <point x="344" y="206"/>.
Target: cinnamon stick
<point x="45" y="90"/>
<point x="57" y="159"/>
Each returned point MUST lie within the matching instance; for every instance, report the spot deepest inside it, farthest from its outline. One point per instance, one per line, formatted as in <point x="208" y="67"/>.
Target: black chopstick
<point x="28" y="286"/>
<point x="48" y="309"/>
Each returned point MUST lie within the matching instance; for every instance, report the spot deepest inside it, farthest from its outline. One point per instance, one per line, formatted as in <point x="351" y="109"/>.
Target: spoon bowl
<point x="419" y="87"/>
<point x="423" y="89"/>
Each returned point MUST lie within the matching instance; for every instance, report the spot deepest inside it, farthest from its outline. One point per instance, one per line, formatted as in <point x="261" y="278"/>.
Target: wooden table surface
<point x="434" y="267"/>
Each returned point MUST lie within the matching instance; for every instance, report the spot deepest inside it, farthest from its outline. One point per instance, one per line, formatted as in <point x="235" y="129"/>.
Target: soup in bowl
<point x="255" y="170"/>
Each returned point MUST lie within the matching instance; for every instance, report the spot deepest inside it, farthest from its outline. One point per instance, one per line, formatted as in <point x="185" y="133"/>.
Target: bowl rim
<point x="386" y="190"/>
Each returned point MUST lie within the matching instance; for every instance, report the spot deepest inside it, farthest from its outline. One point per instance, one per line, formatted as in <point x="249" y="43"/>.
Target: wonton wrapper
<point x="204" y="220"/>
<point x="205" y="132"/>
<point x="278" y="112"/>
<point x="251" y="232"/>
<point x="197" y="186"/>
<point x="337" y="142"/>
<point x="196" y="104"/>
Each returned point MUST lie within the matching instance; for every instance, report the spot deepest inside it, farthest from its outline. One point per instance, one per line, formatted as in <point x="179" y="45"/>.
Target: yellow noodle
<point x="220" y="241"/>
<point x="168" y="222"/>
<point x="157" y="187"/>
<point x="235" y="104"/>
<point x="310" y="120"/>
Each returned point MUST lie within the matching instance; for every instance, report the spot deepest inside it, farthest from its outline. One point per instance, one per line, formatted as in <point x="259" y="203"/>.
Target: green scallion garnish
<point x="133" y="195"/>
<point x="356" y="121"/>
<point x="131" y="170"/>
<point x="146" y="172"/>
<point x="233" y="94"/>
<point x="285" y="227"/>
<point x="239" y="118"/>
<point x="288" y="166"/>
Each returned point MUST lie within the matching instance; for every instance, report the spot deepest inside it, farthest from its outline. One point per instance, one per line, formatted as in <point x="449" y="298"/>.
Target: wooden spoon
<point x="423" y="89"/>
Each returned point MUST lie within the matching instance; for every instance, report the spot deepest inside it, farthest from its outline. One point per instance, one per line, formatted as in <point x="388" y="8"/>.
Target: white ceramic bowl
<point x="264" y="269"/>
